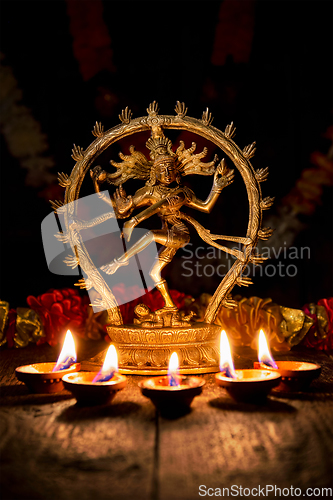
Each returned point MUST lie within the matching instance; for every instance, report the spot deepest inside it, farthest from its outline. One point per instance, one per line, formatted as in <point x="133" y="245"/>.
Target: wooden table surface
<point x="53" y="449"/>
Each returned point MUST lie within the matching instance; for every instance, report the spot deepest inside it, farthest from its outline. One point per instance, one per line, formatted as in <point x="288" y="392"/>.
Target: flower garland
<point x="55" y="311"/>
<point x="22" y="132"/>
<point x="308" y="190"/>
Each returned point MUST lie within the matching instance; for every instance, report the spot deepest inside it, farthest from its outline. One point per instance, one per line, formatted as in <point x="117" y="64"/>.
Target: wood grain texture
<point x="53" y="449"/>
<point x="286" y="441"/>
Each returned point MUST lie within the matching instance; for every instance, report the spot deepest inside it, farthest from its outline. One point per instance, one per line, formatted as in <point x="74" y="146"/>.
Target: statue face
<point x="166" y="172"/>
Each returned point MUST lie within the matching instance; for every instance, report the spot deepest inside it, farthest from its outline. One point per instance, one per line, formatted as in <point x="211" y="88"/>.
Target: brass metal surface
<point x="165" y="195"/>
<point x="145" y="351"/>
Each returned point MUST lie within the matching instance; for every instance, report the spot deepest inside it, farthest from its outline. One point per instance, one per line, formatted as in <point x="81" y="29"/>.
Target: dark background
<point x="266" y="65"/>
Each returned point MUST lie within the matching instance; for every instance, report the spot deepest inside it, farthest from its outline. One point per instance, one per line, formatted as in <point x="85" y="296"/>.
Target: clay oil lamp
<point x="46" y="378"/>
<point x="172" y="394"/>
<point x="92" y="388"/>
<point x="296" y="376"/>
<point x="248" y="385"/>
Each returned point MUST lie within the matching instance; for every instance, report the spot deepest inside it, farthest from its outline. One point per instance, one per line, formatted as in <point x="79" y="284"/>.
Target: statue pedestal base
<point x="146" y="351"/>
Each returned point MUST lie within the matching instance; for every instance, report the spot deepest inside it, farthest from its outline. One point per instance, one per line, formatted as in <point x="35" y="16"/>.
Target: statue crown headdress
<point x="159" y="146"/>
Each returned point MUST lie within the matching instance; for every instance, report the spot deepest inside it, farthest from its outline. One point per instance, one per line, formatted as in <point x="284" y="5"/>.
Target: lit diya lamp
<point x="295" y="375"/>
<point x="172" y="394"/>
<point x="91" y="388"/>
<point x="250" y="385"/>
<point x="45" y="378"/>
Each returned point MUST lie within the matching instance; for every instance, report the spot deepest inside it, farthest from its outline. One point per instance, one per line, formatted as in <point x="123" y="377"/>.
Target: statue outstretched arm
<point x="222" y="178"/>
<point x="99" y="177"/>
<point x="79" y="224"/>
<point x="122" y="205"/>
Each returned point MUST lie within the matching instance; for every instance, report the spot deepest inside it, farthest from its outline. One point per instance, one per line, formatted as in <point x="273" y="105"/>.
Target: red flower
<point x="152" y="299"/>
<point x="60" y="310"/>
<point x="312" y="338"/>
<point x="327" y="343"/>
<point x="64" y="309"/>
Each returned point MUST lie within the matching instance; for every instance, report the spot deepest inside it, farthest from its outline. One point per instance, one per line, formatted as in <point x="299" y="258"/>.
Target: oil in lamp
<point x="172" y="394"/>
<point x="295" y="375"/>
<point x="90" y="388"/>
<point x="45" y="378"/>
<point x="248" y="385"/>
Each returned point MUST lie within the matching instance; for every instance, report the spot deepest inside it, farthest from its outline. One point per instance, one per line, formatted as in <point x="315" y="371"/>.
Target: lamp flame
<point x="173" y="370"/>
<point x="226" y="364"/>
<point x="68" y="354"/>
<point x="264" y="354"/>
<point x="110" y="366"/>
